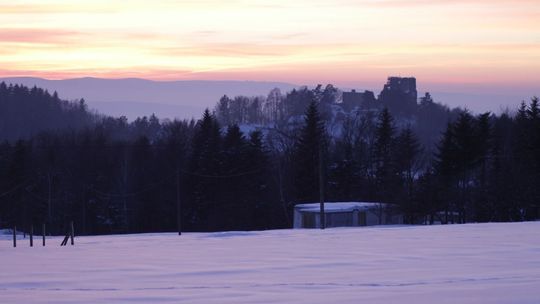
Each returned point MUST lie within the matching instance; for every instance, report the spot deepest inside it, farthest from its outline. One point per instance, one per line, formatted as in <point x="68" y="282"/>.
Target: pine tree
<point x="204" y="164"/>
<point x="427" y="193"/>
<point x="503" y="182"/>
<point x="232" y="210"/>
<point x="343" y="174"/>
<point x="309" y="147"/>
<point x="263" y="214"/>
<point x="385" y="169"/>
<point x="446" y="170"/>
<point x="533" y="116"/>
<point x="483" y="151"/>
<point x="466" y="161"/>
<point x="407" y="161"/>
<point x="532" y="207"/>
<point x="533" y="112"/>
<point x="18" y="172"/>
<point x="383" y="156"/>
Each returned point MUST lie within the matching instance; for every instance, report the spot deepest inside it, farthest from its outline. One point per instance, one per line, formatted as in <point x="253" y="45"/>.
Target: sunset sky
<point x="454" y="43"/>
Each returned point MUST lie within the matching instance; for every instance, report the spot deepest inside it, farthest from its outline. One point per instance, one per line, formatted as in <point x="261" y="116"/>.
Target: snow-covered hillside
<point x="474" y="263"/>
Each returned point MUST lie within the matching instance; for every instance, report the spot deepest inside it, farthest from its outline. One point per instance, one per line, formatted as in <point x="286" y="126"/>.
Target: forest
<point x="246" y="163"/>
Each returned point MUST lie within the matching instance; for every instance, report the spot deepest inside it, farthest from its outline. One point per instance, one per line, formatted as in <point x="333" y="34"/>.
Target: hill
<point x="133" y="97"/>
<point x="27" y="111"/>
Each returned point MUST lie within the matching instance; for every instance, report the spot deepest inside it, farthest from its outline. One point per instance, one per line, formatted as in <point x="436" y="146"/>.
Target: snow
<point x="8" y="232"/>
<point x="337" y="206"/>
<point x="473" y="263"/>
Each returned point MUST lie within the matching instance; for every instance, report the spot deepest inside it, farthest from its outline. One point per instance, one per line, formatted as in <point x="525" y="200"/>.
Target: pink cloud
<point x="37" y="35"/>
<point x="19" y="9"/>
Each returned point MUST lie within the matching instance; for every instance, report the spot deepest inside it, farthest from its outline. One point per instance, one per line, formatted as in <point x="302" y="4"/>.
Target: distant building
<point x="345" y="214"/>
<point x="406" y="85"/>
<point x="353" y="99"/>
<point x="399" y="95"/>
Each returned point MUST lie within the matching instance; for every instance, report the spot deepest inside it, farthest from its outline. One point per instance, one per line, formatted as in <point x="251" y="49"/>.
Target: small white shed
<point x="344" y="214"/>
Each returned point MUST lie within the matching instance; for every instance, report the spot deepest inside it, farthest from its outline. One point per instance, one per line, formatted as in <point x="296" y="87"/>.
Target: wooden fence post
<point x="43" y="230"/>
<point x="64" y="241"/>
<point x="31" y="235"/>
<point x="72" y="235"/>
<point x="14" y="236"/>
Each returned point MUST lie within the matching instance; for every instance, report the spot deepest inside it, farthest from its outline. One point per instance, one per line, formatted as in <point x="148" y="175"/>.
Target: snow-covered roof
<point x="337" y="206"/>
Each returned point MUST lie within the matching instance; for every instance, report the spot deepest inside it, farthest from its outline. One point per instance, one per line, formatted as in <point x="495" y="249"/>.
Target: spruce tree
<point x="532" y="207"/>
<point x="407" y="161"/>
<point x="204" y="165"/>
<point x="446" y="170"/>
<point x="263" y="214"/>
<point x="383" y="156"/>
<point x="232" y="210"/>
<point x="308" y="148"/>
<point x="385" y="169"/>
<point x="467" y="159"/>
<point x="483" y="145"/>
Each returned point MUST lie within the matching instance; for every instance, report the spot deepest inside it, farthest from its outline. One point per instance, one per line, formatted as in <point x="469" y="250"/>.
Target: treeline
<point x="487" y="168"/>
<point x="114" y="176"/>
<point x="275" y="107"/>
<point x="108" y="183"/>
<point x="27" y="111"/>
<point x="426" y="118"/>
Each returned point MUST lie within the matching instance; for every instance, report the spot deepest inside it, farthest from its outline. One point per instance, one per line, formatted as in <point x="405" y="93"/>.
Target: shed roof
<point x="337" y="206"/>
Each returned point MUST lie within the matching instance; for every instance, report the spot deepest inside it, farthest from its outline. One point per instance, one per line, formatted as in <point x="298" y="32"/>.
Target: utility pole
<point x="49" y="203"/>
<point x="321" y="187"/>
<point x="178" y="207"/>
<point x="124" y="188"/>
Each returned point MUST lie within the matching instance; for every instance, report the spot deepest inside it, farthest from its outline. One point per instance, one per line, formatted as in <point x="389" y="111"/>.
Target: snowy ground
<point x="476" y="263"/>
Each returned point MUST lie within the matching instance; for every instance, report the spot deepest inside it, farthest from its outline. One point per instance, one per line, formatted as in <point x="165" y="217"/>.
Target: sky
<point x="456" y="45"/>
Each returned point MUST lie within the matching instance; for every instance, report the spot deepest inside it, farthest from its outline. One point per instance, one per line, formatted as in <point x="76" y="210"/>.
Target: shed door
<point x="308" y="220"/>
<point x="362" y="218"/>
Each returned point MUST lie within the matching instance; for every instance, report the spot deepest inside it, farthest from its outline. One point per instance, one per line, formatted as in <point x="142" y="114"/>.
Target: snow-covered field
<point x="476" y="263"/>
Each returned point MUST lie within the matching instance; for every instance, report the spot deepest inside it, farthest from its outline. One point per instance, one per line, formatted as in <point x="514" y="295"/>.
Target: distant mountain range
<point x="133" y="97"/>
